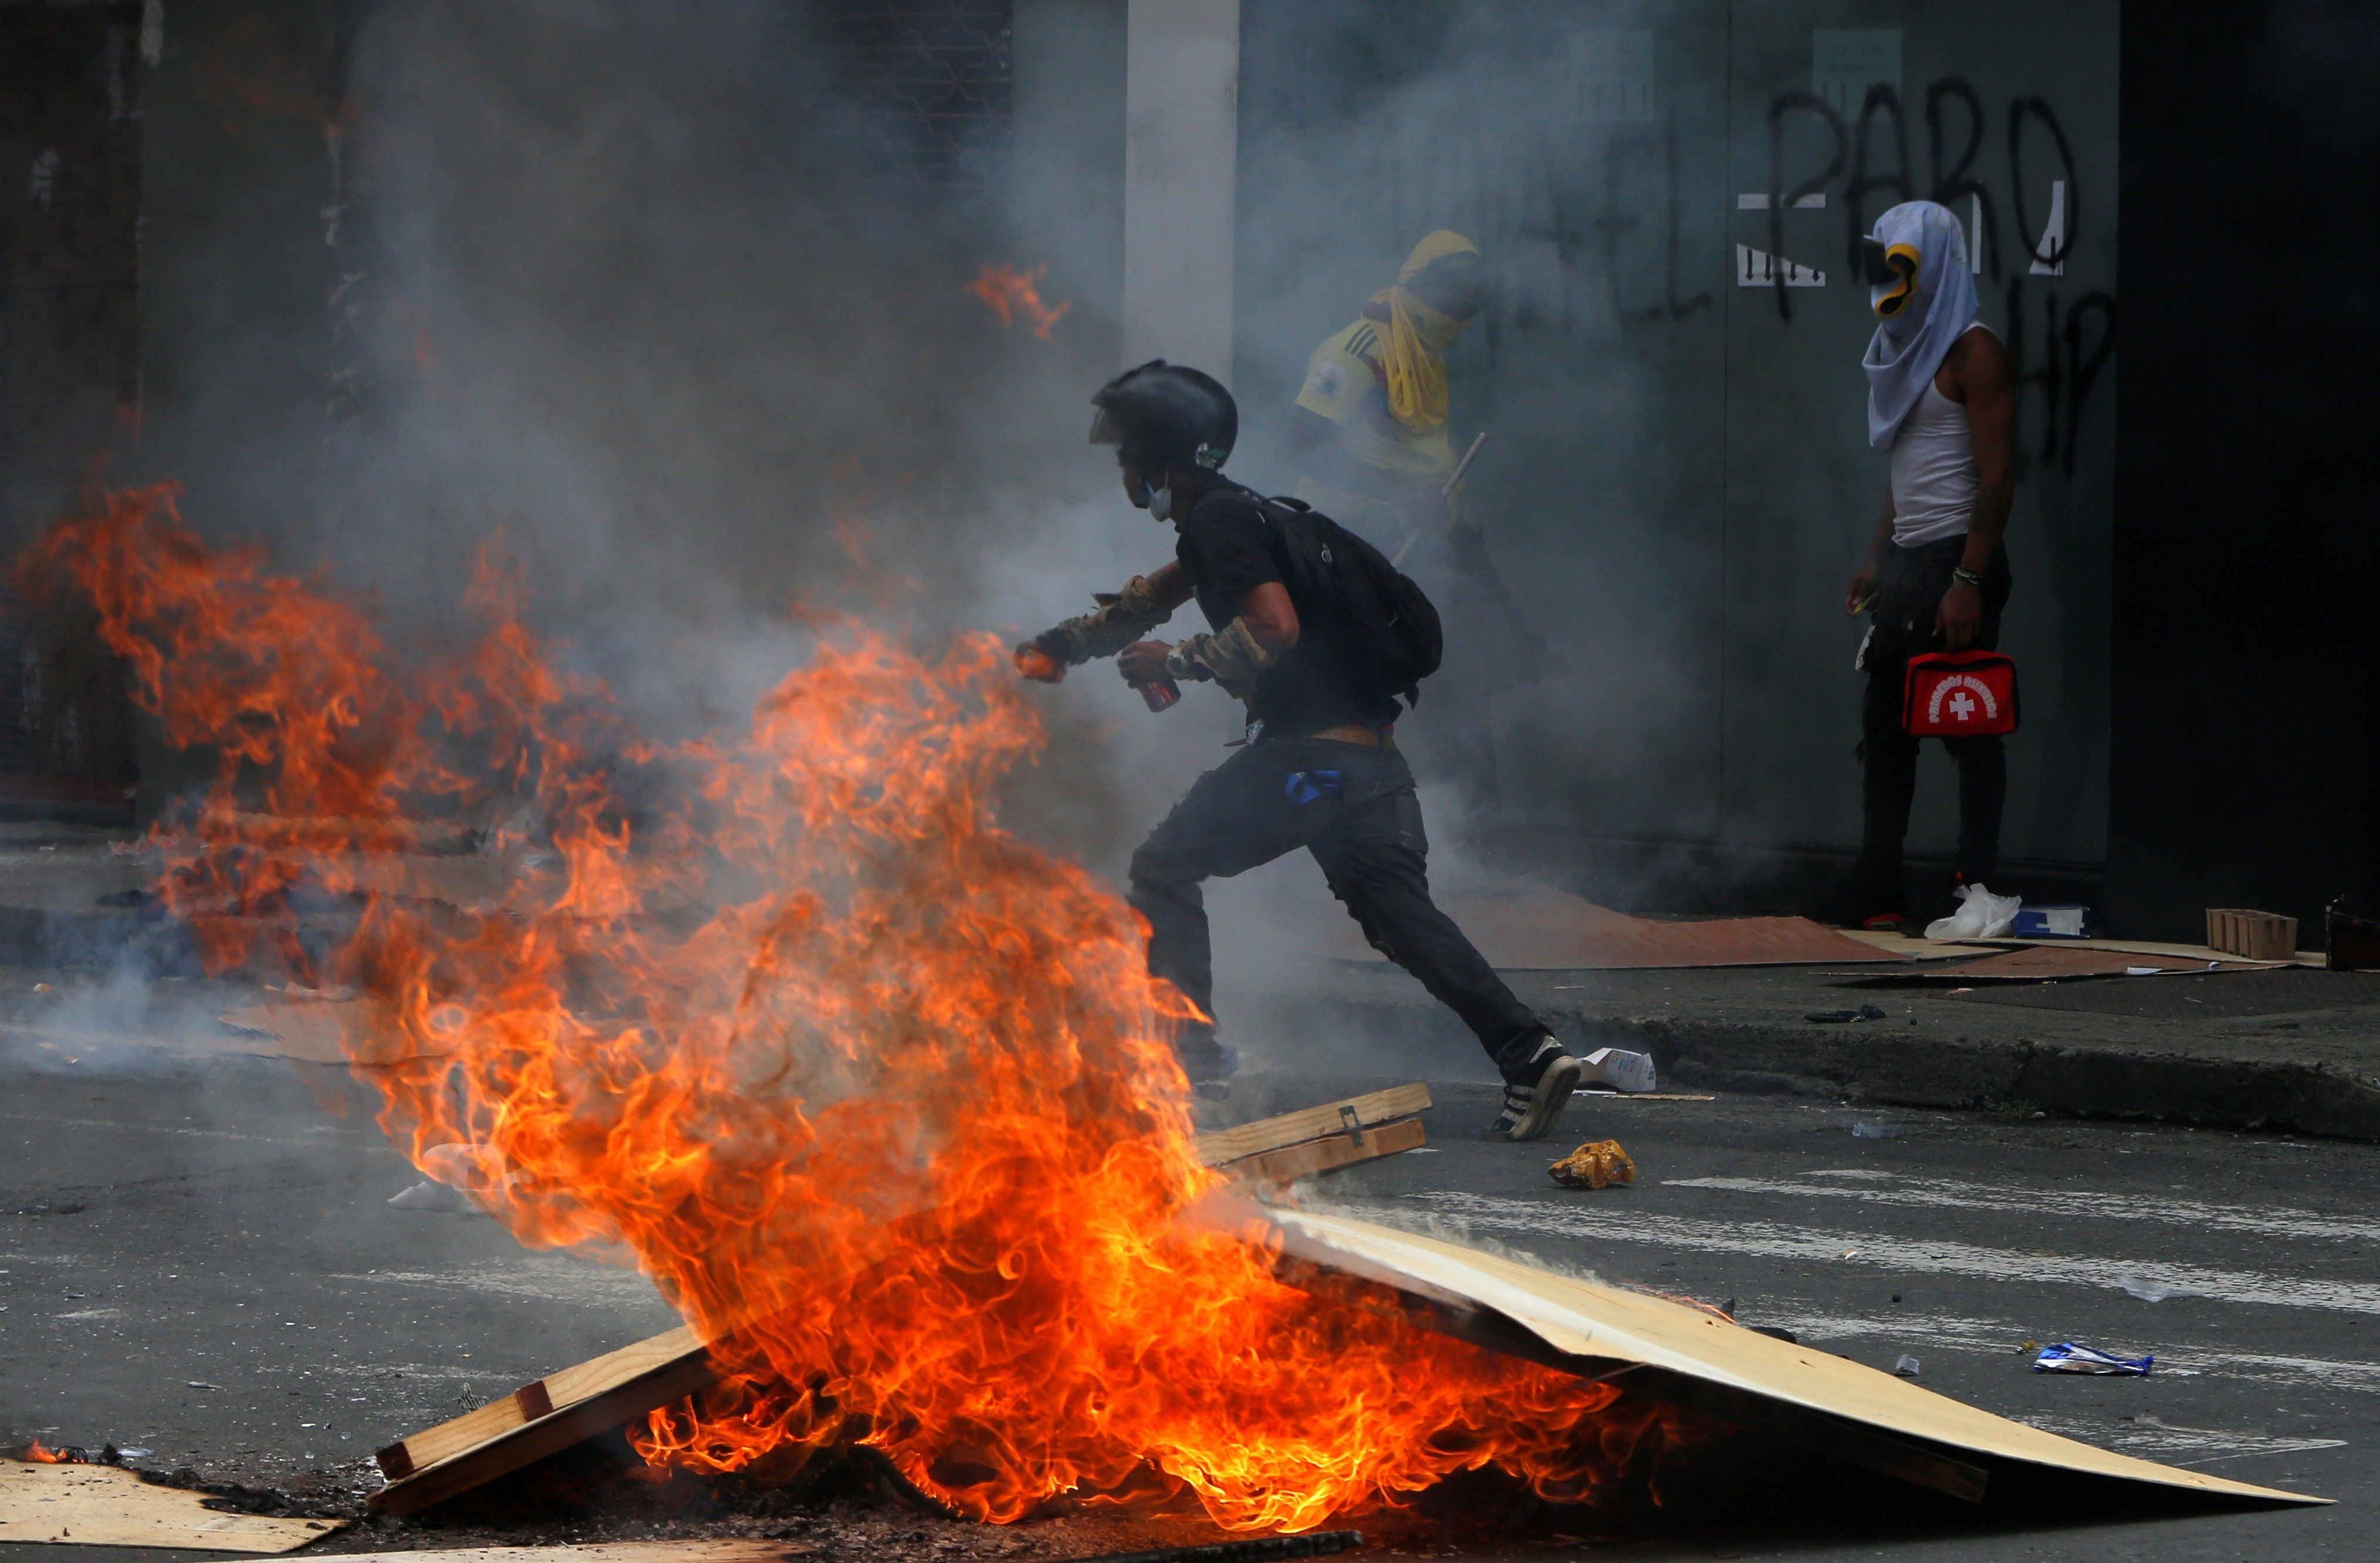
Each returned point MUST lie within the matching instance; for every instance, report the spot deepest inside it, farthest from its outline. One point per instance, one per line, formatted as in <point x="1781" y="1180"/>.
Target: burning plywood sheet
<point x="77" y="1505"/>
<point x="1871" y="1418"/>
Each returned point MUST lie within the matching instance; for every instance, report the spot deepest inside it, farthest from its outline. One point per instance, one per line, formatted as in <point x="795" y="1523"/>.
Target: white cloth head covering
<point x="1911" y="343"/>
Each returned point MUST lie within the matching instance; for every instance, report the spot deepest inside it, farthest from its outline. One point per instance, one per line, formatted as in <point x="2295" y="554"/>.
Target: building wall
<point x="2246" y="693"/>
<point x="1678" y="482"/>
<point x="69" y="380"/>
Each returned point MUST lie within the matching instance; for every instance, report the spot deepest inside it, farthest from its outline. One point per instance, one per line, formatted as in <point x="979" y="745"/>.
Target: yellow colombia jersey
<point x="1344" y="384"/>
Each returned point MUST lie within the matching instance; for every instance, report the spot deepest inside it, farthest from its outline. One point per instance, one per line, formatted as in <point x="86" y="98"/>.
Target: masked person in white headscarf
<point x="1942" y="400"/>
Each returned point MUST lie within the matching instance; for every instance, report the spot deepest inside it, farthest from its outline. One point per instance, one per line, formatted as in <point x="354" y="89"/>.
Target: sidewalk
<point x="2306" y="1059"/>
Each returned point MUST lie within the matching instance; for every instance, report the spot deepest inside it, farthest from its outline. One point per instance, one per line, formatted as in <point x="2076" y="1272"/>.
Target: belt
<point x="1356" y="733"/>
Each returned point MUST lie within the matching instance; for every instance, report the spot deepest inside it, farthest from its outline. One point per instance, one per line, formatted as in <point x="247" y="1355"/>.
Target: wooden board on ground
<point x="1292" y="1162"/>
<point x="2048" y="963"/>
<point x="1869" y="1418"/>
<point x="107" y="1506"/>
<point x="1542" y="930"/>
<point x="691" y="1551"/>
<point x="1224" y="1146"/>
<point x="540" y="1419"/>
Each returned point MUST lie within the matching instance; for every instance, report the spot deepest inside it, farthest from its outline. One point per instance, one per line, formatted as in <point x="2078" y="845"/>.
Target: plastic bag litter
<point x="2153" y="1290"/>
<point x="1906" y="1367"/>
<point x="1981" y="915"/>
<point x="1862" y="1130"/>
<point x="2067" y="1357"/>
<point x="1594" y="1165"/>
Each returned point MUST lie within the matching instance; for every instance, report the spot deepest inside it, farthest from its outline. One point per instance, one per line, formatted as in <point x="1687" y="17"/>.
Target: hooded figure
<point x="1379" y="384"/>
<point x="1414" y="351"/>
<point x="1925" y="301"/>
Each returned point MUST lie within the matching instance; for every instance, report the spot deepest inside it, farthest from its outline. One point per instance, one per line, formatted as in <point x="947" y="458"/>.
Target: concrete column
<point x="1181" y="164"/>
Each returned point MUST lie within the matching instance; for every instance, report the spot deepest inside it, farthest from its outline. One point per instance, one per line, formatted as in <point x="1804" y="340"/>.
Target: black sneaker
<point x="1531" y="1111"/>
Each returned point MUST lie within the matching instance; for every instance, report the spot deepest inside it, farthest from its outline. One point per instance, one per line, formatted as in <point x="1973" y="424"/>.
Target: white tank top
<point x="1933" y="477"/>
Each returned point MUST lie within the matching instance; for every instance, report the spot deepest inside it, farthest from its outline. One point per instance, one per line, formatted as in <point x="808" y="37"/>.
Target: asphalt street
<point x="197" y="1261"/>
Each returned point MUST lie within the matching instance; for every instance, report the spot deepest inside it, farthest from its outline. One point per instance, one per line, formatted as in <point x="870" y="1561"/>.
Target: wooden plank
<point x="672" y="1379"/>
<point x="1311" y="1124"/>
<point x="107" y="1506"/>
<point x="533" y="1400"/>
<point x="1292" y="1162"/>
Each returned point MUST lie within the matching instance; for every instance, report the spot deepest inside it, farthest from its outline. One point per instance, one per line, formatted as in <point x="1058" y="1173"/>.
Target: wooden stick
<point x="1445" y="491"/>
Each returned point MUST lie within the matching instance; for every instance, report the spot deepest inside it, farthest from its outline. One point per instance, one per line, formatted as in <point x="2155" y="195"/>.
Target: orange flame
<point x="1009" y="293"/>
<point x="37" y="1455"/>
<point x="876" y="1093"/>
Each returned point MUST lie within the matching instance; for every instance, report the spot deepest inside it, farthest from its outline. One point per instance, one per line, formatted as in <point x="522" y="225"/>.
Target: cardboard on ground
<point x="1597" y="1328"/>
<point x="107" y="1506"/>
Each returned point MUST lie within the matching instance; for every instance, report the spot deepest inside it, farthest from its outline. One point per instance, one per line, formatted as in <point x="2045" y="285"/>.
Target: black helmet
<point x="1162" y="414"/>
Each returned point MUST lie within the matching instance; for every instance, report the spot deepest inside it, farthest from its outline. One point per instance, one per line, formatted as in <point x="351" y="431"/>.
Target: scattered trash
<point x="1981" y="915"/>
<point x="1596" y="1165"/>
<point x="1863" y="1130"/>
<point x="1621" y="1068"/>
<point x="1841" y="1017"/>
<point x="2027" y="1347"/>
<point x="2152" y="1290"/>
<point x="1906" y="1367"/>
<point x="2051" y="922"/>
<point x="427" y="1195"/>
<point x="200" y="1384"/>
<point x="2067" y="1357"/>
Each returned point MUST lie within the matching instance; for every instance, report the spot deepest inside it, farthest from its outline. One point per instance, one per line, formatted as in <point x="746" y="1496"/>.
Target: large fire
<point x="876" y="1093"/>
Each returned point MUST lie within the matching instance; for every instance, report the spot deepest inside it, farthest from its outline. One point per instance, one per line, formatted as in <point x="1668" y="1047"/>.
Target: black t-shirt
<point x="1228" y="548"/>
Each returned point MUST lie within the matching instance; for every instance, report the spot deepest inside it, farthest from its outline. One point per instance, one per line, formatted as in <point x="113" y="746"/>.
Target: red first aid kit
<point x="1960" y="695"/>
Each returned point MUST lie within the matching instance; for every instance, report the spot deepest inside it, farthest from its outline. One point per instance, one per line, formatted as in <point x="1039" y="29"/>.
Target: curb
<point x="1916" y="1069"/>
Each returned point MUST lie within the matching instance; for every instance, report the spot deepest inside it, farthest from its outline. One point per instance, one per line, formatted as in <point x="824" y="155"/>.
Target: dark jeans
<point x="1909" y="596"/>
<point x="1353" y="808"/>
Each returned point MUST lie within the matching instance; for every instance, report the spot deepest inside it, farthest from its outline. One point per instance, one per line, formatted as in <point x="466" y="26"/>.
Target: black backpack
<point x="1385" y="622"/>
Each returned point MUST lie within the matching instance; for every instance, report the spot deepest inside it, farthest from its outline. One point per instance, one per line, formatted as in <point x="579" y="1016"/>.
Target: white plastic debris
<point x="1981" y="915"/>
<point x="1620" y="1068"/>
<point x="427" y="1195"/>
<point x="2152" y="1290"/>
<point x="1906" y="1367"/>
